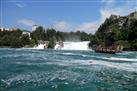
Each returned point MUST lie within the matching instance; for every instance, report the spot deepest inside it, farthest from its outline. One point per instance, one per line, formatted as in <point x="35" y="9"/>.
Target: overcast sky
<point x="63" y="15"/>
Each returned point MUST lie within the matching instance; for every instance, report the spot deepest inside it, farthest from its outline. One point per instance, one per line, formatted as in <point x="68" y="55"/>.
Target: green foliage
<point x="16" y="39"/>
<point x="52" y="35"/>
<point x="123" y="43"/>
<point x="94" y="40"/>
<point x="84" y="36"/>
<point x="60" y="36"/>
<point x="13" y="39"/>
<point x="133" y="30"/>
<point x="16" y="42"/>
<point x="25" y="40"/>
<point x="38" y="34"/>
<point x="52" y="42"/>
<point x="32" y="43"/>
<point x="8" y="37"/>
<point x="120" y="31"/>
<point x="134" y="44"/>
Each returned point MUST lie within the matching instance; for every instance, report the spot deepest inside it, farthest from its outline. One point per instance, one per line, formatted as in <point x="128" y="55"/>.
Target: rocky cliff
<point x="117" y="30"/>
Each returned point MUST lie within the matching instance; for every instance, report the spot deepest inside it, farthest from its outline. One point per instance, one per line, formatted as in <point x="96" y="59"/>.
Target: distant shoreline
<point x="45" y="48"/>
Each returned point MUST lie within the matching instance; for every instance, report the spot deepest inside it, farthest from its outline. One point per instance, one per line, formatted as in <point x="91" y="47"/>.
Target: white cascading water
<point x="74" y="46"/>
<point x="68" y="46"/>
<point x="40" y="46"/>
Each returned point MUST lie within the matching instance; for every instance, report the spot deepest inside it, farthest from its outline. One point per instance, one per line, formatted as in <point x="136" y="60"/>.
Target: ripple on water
<point x="66" y="71"/>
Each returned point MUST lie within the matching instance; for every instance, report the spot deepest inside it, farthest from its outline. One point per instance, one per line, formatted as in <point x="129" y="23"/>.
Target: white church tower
<point x="34" y="27"/>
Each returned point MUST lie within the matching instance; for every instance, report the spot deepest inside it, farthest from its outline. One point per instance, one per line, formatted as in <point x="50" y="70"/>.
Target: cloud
<point x="88" y="27"/>
<point x="27" y="22"/>
<point x="19" y="5"/>
<point x="110" y="7"/>
<point x="108" y="1"/>
<point x="125" y="9"/>
<point x="62" y="25"/>
<point x="105" y="11"/>
<point x="67" y="26"/>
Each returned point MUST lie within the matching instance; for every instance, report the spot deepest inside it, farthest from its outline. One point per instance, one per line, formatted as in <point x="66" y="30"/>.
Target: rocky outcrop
<point x="118" y="30"/>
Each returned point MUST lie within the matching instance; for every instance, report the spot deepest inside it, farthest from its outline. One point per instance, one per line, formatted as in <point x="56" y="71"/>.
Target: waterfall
<point x="74" y="46"/>
<point x="40" y="46"/>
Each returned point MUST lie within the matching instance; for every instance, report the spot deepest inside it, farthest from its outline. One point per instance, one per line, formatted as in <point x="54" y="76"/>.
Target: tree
<point x="134" y="44"/>
<point x="84" y="36"/>
<point x="16" y="42"/>
<point x="25" y="40"/>
<point x="94" y="40"/>
<point x="52" y="42"/>
<point x="38" y="34"/>
<point x="50" y="33"/>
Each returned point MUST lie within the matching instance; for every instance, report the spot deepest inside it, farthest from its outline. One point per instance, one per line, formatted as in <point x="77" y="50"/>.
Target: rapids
<point x="66" y="70"/>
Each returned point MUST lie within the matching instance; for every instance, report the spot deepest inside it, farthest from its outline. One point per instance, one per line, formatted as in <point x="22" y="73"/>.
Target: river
<point x="66" y="70"/>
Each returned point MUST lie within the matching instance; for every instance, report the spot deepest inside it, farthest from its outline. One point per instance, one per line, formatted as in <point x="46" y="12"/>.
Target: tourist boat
<point x="109" y="50"/>
<point x="106" y="50"/>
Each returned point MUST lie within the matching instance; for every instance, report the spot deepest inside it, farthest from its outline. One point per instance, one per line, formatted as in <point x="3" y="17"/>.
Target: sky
<point x="63" y="15"/>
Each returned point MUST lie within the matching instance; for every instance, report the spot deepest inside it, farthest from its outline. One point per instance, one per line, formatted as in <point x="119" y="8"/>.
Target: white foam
<point x="116" y="58"/>
<point x="73" y="54"/>
<point x="57" y="47"/>
<point x="123" y="66"/>
<point x="119" y="59"/>
<point x="74" y="46"/>
<point x="77" y="63"/>
<point x="68" y="53"/>
<point x="42" y="77"/>
<point x="40" y="46"/>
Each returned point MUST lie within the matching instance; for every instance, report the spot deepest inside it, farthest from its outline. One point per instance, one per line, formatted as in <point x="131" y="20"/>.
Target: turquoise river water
<point x="58" y="70"/>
